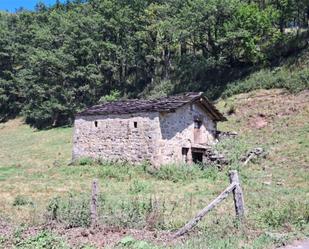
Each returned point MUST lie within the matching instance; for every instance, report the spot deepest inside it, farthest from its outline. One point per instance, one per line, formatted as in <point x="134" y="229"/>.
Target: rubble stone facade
<point x="156" y="137"/>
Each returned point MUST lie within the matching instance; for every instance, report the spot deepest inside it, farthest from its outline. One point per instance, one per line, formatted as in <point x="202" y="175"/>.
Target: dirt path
<point x="304" y="244"/>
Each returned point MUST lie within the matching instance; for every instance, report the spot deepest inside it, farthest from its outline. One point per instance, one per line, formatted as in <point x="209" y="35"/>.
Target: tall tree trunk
<point x="167" y="63"/>
<point x="183" y="47"/>
<point x="307" y="24"/>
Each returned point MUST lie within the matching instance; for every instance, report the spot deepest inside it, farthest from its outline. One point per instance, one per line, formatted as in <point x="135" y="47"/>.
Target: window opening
<point x="197" y="124"/>
<point x="96" y="123"/>
<point x="135" y="124"/>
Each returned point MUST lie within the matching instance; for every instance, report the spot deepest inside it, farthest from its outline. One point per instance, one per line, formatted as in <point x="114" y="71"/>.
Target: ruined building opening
<point x="197" y="130"/>
<point x="96" y="123"/>
<point x="184" y="152"/>
<point x="135" y="124"/>
<point x="197" y="157"/>
<point x="197" y="124"/>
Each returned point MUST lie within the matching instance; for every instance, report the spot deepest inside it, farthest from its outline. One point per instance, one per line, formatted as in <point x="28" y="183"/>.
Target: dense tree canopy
<point x="55" y="61"/>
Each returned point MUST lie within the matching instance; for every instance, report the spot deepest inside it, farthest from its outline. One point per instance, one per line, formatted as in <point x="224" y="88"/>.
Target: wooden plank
<point x="192" y="223"/>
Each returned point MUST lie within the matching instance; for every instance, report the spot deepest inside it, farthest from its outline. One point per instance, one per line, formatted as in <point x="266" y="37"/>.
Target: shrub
<point x="113" y="96"/>
<point x="44" y="240"/>
<point x="73" y="211"/>
<point x="22" y="201"/>
<point x="85" y="161"/>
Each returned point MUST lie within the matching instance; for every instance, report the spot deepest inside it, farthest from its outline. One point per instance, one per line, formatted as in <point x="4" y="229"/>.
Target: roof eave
<point x="215" y="114"/>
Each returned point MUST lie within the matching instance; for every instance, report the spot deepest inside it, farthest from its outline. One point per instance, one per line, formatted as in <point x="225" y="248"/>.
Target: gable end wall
<point x="116" y="138"/>
<point x="177" y="132"/>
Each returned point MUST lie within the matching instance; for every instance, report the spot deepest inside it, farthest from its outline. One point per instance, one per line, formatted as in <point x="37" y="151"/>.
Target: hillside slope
<point x="291" y="73"/>
<point x="33" y="171"/>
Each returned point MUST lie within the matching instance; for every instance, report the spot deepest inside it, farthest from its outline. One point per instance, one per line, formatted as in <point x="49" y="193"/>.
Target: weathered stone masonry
<point x="130" y="137"/>
<point x="158" y="135"/>
<point x="178" y="132"/>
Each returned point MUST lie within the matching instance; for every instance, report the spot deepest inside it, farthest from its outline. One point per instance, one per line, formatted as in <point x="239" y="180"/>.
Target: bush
<point x="44" y="240"/>
<point x="73" y="211"/>
<point x="85" y="161"/>
<point x="22" y="201"/>
<point x="113" y="96"/>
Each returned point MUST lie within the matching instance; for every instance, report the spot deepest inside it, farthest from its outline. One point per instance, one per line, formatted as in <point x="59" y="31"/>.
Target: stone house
<point x="166" y="130"/>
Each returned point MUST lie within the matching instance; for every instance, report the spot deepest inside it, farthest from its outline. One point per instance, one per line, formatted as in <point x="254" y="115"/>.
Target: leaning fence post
<point x="238" y="194"/>
<point x="192" y="223"/>
<point x="94" y="203"/>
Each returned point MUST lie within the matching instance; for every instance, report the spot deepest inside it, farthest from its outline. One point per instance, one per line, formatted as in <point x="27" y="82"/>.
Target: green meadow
<point x="39" y="183"/>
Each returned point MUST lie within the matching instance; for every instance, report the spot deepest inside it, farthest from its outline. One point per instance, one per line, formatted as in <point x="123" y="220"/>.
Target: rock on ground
<point x="304" y="244"/>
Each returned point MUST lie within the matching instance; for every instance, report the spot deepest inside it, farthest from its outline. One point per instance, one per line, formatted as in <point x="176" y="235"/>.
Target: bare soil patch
<point x="260" y="108"/>
<point x="104" y="236"/>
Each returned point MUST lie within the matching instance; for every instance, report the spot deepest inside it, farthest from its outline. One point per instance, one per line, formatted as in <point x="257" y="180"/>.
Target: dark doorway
<point x="197" y="157"/>
<point x="184" y="152"/>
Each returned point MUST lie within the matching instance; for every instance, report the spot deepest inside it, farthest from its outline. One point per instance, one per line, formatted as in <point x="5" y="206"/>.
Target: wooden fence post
<point x="238" y="194"/>
<point x="94" y="203"/>
<point x="238" y="201"/>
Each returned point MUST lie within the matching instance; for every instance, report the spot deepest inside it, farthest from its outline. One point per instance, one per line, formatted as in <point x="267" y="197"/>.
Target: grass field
<point x="34" y="171"/>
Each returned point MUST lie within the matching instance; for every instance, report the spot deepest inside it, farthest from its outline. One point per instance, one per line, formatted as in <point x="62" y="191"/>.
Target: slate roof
<point x="164" y="104"/>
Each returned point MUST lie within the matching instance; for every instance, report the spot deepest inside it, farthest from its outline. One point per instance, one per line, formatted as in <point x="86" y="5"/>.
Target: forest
<point x="57" y="60"/>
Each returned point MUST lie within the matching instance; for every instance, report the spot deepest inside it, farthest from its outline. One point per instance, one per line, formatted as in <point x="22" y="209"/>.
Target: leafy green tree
<point x="10" y="94"/>
<point x="57" y="60"/>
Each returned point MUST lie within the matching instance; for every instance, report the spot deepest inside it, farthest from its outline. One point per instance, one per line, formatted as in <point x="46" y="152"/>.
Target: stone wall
<point x="157" y="138"/>
<point x="177" y="132"/>
<point x="116" y="137"/>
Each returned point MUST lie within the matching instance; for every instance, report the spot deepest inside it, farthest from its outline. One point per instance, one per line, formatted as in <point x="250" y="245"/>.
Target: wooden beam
<point x="192" y="223"/>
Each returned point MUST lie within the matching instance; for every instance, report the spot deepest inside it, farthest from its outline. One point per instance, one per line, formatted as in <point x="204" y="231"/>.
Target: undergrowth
<point x="43" y="240"/>
<point x="294" y="213"/>
<point x="293" y="81"/>
<point x="184" y="172"/>
<point x="127" y="212"/>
